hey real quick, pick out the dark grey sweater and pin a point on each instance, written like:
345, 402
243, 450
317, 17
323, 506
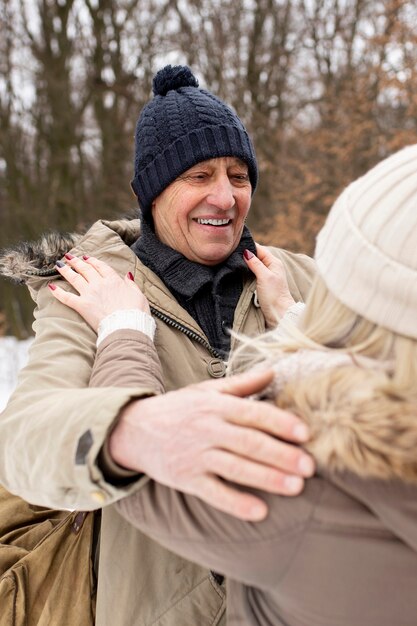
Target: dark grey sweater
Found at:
208, 293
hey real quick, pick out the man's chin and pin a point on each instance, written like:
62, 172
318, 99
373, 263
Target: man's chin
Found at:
213, 255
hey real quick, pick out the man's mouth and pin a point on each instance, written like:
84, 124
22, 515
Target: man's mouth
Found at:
213, 222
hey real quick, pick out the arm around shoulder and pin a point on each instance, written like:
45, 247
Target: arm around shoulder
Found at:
254, 553
54, 424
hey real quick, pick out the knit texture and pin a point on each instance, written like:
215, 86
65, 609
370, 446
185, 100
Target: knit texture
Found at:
182, 126
367, 251
208, 293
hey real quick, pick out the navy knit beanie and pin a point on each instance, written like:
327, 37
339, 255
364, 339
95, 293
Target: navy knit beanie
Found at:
183, 125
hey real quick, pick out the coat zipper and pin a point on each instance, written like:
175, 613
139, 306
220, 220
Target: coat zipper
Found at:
50, 271
187, 331
219, 578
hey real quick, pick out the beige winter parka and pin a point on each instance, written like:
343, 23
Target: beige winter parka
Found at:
55, 424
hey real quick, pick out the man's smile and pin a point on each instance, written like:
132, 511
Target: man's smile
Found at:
212, 221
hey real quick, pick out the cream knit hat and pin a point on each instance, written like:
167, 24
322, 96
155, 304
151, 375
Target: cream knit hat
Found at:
366, 252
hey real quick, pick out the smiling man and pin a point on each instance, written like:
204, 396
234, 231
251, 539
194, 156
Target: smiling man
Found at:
194, 260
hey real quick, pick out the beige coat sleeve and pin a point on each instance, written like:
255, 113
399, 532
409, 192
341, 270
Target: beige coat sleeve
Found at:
124, 358
54, 425
253, 553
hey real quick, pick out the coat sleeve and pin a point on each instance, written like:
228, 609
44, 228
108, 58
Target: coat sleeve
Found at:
253, 553
54, 425
124, 358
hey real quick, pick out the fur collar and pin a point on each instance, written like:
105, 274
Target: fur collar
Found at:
36, 258
358, 423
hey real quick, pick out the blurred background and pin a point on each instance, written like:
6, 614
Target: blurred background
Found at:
325, 87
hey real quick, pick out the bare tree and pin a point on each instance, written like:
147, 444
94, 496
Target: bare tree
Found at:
325, 87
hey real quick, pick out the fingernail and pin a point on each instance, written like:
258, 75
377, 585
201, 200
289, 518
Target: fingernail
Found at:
306, 466
301, 432
248, 254
85, 257
69, 256
293, 484
51, 286
130, 276
60, 264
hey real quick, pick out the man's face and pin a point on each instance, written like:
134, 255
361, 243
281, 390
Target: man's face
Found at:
202, 213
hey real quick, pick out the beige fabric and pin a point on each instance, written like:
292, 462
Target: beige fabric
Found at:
368, 259
61, 426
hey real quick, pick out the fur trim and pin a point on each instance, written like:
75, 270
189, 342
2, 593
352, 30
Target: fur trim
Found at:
36, 258
356, 424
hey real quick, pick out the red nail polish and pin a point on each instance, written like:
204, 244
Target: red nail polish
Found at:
248, 254
51, 286
69, 256
85, 257
130, 276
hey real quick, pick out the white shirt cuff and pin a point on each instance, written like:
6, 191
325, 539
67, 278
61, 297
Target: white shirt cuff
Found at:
128, 319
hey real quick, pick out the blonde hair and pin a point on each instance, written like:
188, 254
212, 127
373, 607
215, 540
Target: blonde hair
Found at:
330, 324
327, 324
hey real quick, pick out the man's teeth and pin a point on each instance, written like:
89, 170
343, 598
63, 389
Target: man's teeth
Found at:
213, 222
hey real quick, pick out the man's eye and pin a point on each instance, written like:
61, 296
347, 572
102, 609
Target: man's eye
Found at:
240, 177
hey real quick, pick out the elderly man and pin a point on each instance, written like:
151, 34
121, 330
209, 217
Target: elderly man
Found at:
86, 446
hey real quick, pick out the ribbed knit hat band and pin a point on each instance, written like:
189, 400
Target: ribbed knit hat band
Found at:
367, 251
182, 126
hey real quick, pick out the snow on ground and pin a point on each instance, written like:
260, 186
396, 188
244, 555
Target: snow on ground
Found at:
13, 356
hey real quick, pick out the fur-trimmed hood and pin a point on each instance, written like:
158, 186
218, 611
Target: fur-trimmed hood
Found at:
36, 258
31, 259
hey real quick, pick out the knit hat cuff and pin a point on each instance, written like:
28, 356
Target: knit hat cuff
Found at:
198, 145
362, 277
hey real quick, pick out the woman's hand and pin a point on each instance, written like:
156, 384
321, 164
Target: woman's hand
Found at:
101, 290
272, 287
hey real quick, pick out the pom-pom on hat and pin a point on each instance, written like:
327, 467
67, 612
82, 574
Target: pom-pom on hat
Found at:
181, 126
366, 252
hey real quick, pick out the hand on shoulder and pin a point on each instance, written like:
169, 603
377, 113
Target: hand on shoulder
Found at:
101, 291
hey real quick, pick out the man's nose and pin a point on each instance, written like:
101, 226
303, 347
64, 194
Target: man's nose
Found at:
221, 194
